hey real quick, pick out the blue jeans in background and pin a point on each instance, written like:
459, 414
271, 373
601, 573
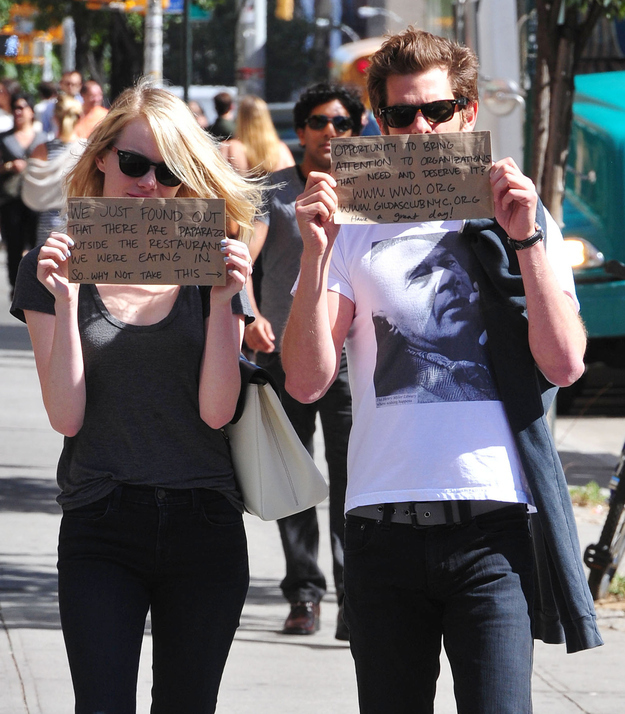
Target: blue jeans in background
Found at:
468, 585
182, 555
304, 581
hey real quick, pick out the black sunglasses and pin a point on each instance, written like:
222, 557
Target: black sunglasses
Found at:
402, 115
320, 121
136, 165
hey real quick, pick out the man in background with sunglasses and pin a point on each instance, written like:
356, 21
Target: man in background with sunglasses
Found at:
322, 112
441, 478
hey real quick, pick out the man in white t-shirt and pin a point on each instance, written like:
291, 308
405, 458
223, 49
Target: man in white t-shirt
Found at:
437, 544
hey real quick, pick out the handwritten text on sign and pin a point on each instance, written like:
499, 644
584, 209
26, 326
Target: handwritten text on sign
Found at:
165, 241
412, 177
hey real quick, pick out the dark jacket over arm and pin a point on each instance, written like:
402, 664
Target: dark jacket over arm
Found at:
563, 607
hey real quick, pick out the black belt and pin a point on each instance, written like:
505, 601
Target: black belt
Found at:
150, 495
428, 513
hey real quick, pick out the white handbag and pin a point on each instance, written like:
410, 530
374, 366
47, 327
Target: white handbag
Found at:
275, 474
42, 186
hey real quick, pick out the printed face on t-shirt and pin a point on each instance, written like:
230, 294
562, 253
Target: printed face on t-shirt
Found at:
428, 296
429, 330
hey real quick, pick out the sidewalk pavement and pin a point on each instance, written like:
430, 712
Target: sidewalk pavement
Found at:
266, 671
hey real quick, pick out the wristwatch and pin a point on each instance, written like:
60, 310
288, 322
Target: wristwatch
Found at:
536, 237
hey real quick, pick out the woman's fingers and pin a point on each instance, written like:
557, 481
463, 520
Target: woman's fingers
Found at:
238, 263
53, 263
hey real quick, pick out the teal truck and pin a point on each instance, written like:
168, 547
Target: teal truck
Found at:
594, 211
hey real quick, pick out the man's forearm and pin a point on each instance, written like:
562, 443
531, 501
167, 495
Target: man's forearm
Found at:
556, 334
308, 351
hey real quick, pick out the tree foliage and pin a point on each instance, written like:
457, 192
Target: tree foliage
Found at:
4, 11
109, 45
289, 57
564, 28
213, 46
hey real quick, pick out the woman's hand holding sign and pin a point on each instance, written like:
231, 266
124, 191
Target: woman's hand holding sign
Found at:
238, 263
53, 266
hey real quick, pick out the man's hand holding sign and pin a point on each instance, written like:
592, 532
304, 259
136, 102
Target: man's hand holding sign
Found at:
412, 177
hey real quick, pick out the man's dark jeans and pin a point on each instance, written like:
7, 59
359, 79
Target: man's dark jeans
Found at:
470, 585
304, 580
180, 554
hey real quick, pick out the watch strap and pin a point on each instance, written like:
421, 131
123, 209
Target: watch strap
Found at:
536, 237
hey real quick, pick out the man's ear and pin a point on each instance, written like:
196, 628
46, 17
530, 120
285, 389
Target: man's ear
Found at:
300, 135
469, 116
382, 124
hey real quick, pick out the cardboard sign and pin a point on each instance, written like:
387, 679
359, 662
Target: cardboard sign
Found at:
409, 178
164, 241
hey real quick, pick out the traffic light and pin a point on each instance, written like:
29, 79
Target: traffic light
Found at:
284, 9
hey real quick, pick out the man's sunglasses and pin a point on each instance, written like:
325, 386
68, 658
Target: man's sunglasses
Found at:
320, 121
136, 165
402, 115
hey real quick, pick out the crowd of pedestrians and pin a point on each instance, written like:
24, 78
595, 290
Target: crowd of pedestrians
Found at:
39, 142
439, 468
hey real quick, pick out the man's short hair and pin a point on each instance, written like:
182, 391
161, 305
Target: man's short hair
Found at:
89, 83
223, 103
47, 90
322, 93
414, 51
70, 72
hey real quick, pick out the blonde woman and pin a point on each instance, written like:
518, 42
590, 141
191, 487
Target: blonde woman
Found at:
256, 148
140, 379
58, 156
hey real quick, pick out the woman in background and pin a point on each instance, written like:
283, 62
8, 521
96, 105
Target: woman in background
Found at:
59, 156
256, 149
198, 113
7, 87
19, 223
140, 379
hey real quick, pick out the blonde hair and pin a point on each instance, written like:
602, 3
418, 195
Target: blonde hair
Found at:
67, 112
186, 148
255, 130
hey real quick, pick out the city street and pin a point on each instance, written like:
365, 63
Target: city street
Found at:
412, 107
266, 672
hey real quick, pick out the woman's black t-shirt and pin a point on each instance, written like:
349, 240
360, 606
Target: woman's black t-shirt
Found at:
142, 424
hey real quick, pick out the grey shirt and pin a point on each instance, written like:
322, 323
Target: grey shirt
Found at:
282, 251
142, 424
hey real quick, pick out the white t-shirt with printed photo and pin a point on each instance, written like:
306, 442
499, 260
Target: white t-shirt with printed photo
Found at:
428, 423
